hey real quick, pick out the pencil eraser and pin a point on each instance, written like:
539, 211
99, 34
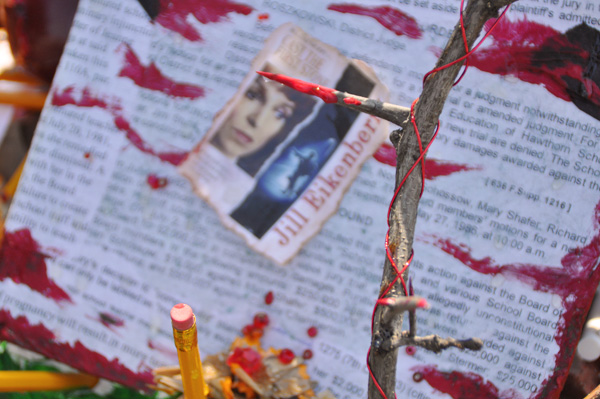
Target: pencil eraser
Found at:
182, 316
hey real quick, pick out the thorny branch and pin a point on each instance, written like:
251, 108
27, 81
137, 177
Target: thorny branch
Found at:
387, 324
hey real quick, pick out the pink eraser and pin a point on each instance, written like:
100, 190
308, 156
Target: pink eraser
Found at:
182, 316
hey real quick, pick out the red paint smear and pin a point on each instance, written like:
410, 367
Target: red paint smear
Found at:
150, 77
575, 282
324, 93
40, 339
156, 182
22, 261
352, 101
538, 54
463, 385
110, 320
66, 97
248, 359
262, 17
173, 14
391, 18
386, 154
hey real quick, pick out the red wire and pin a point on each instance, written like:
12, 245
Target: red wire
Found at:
421, 160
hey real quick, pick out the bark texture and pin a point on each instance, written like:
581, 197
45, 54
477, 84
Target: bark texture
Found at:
403, 216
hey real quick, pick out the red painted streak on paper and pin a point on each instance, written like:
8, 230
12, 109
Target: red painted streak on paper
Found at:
434, 168
174, 14
324, 93
575, 282
263, 16
391, 18
66, 97
150, 77
40, 339
22, 261
538, 54
463, 385
110, 320
156, 182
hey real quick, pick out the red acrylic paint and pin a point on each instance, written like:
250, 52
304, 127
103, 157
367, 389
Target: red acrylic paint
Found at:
575, 282
261, 320
247, 358
462, 385
110, 320
352, 101
269, 298
286, 356
386, 154
41, 340
324, 93
150, 77
174, 14
312, 331
391, 18
263, 16
538, 54
410, 350
66, 97
22, 261
156, 182
307, 354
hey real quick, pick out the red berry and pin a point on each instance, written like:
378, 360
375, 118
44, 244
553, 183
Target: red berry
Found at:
410, 350
286, 356
261, 320
307, 354
312, 332
269, 298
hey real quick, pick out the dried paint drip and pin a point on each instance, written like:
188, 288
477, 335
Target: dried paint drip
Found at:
174, 14
391, 18
156, 182
312, 331
352, 101
247, 358
462, 385
22, 261
39, 339
324, 93
262, 17
286, 356
269, 298
88, 100
150, 77
538, 54
410, 350
307, 354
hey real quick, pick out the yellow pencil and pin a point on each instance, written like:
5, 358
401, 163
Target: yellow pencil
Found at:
28, 381
186, 341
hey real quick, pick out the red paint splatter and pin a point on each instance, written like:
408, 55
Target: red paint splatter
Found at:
307, 354
263, 16
324, 93
269, 298
247, 358
386, 154
575, 282
150, 77
312, 331
156, 182
261, 320
39, 339
462, 385
174, 14
391, 18
538, 54
286, 356
410, 350
87, 99
22, 261
352, 101
87, 155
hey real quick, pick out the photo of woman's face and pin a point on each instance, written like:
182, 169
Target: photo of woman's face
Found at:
257, 118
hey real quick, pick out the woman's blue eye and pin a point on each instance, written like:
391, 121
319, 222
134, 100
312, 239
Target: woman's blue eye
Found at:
283, 113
